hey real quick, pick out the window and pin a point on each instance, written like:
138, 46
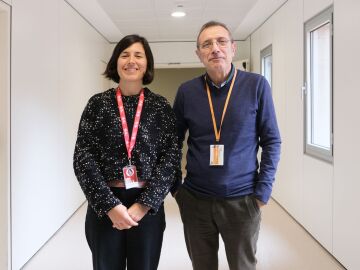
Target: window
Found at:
266, 63
318, 86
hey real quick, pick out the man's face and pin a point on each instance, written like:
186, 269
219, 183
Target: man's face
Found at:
216, 50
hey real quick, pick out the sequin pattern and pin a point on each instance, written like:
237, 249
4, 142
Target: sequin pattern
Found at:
100, 151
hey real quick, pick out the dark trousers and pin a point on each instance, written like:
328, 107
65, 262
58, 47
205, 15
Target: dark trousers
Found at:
236, 220
137, 248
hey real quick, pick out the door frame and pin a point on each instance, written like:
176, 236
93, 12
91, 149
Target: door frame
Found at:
5, 133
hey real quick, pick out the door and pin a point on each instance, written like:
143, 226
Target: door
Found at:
5, 12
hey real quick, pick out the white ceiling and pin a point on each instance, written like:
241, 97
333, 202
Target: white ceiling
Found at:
151, 18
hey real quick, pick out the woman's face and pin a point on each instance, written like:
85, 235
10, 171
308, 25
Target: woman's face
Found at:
131, 64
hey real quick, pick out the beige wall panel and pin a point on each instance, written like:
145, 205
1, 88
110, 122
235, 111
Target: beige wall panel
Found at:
287, 63
346, 132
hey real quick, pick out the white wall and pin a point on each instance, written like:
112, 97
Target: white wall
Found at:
347, 132
323, 197
4, 134
56, 65
286, 39
311, 7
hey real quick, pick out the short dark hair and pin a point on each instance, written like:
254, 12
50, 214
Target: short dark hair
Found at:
211, 24
111, 68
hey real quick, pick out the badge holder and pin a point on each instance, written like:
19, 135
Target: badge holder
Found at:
130, 177
216, 155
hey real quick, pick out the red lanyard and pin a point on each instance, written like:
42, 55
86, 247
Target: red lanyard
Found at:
130, 144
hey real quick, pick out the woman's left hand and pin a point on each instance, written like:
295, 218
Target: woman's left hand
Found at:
137, 211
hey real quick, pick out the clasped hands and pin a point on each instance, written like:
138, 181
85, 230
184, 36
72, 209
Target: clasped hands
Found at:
124, 218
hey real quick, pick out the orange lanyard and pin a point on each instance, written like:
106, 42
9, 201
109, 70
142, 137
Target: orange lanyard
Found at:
218, 133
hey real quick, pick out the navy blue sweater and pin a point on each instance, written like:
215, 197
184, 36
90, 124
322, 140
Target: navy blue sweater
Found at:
250, 122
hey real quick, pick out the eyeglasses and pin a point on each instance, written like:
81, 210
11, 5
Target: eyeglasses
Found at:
220, 42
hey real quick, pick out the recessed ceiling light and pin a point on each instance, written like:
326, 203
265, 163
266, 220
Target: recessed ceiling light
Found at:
178, 12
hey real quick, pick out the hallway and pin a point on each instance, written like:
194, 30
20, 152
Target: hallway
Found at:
283, 245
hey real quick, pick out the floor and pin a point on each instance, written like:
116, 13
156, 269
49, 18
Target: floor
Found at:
282, 245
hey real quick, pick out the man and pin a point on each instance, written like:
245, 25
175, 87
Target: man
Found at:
229, 114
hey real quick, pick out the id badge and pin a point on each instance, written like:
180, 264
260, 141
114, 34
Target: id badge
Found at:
130, 177
216, 155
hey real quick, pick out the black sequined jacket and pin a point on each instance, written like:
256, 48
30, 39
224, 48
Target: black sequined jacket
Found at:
100, 151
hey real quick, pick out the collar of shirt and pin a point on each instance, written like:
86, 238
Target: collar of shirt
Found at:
228, 79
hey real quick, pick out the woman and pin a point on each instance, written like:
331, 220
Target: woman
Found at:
125, 160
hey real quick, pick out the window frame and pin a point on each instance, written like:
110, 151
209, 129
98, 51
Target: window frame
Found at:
316, 22
267, 51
